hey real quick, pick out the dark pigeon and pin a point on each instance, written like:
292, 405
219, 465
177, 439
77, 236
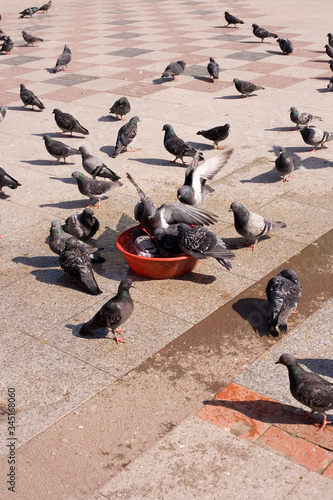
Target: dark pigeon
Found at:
7, 45
262, 32
213, 69
28, 12
330, 62
330, 39
246, 88
330, 84
30, 39
126, 136
121, 107
329, 51
176, 146
285, 45
83, 225
173, 70
314, 136
63, 60
232, 19
92, 188
216, 134
285, 165
167, 240
67, 123
95, 167
283, 294
58, 149
29, 98
308, 388
44, 8
301, 117
113, 313
3, 110
7, 181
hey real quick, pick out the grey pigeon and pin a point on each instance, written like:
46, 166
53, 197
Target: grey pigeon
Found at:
7, 181
330, 84
75, 261
176, 146
95, 167
285, 165
113, 313
58, 149
213, 69
144, 245
126, 136
83, 225
152, 218
67, 123
202, 243
330, 39
63, 60
314, 136
44, 8
173, 70
121, 107
308, 388
166, 239
330, 62
30, 39
329, 51
285, 45
232, 19
283, 294
29, 98
93, 188
7, 45
3, 110
28, 12
250, 225
216, 134
246, 88
301, 117
197, 173
262, 32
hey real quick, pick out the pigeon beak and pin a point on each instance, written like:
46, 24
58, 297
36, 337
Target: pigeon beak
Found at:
132, 286
230, 210
278, 362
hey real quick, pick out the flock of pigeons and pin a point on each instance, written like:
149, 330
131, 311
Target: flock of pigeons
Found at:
172, 228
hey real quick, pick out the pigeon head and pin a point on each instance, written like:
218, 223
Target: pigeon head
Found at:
88, 212
240, 213
83, 150
66, 48
236, 80
56, 112
72, 244
255, 26
126, 284
56, 228
184, 194
135, 119
182, 64
289, 274
287, 360
168, 129
22, 86
46, 138
78, 176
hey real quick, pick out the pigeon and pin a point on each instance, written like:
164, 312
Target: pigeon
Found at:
197, 173
330, 39
285, 45
330, 62
176, 146
28, 12
58, 238
250, 225
93, 188
143, 244
308, 388
330, 84
213, 69
83, 225
29, 99
113, 313
44, 8
216, 134
7, 181
75, 261
245, 87
3, 110
262, 32
329, 51
126, 136
63, 60
283, 293
95, 167
314, 136
285, 165
232, 19
167, 240
7, 45
121, 107
202, 243
67, 123
152, 218
301, 117
30, 39
58, 149
174, 69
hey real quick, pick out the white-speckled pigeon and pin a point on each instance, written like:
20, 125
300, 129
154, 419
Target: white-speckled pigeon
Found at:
82, 225
126, 136
301, 117
121, 107
283, 294
7, 45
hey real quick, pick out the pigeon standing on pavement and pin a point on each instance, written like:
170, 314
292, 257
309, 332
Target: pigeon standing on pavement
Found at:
250, 225
301, 117
213, 69
30, 39
262, 32
83, 225
176, 146
75, 261
330, 83
329, 51
314, 136
95, 167
121, 107
29, 98
308, 388
285, 165
283, 294
216, 134
173, 70
285, 45
330, 62
113, 313
58, 238
28, 12
92, 188
63, 60
7, 45
7, 181
126, 136
59, 149
330, 39
44, 8
246, 88
197, 173
3, 110
232, 19
67, 123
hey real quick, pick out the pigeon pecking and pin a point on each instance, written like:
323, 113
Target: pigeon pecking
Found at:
67, 123
30, 39
285, 165
94, 189
121, 107
58, 149
262, 32
63, 60
29, 98
285, 45
126, 136
213, 69
232, 19
216, 134
7, 181
314, 136
283, 294
176, 146
173, 70
246, 88
83, 225
301, 117
28, 12
95, 167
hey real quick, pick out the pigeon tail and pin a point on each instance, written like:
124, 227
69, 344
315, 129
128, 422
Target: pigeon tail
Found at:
225, 263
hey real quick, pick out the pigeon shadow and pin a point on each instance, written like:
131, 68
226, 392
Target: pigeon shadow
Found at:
46, 162
270, 177
152, 161
321, 366
204, 79
256, 312
276, 52
228, 97
320, 78
323, 91
314, 163
23, 108
281, 129
101, 333
4, 196
108, 150
108, 118
199, 145
51, 134
65, 180
238, 243
159, 81
46, 261
57, 277
73, 204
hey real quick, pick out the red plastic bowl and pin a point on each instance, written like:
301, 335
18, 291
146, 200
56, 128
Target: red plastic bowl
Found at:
157, 268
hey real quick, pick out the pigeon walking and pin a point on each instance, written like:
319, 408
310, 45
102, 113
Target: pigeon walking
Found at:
262, 32
28, 12
7, 45
308, 388
329, 51
126, 136
7, 181
197, 173
216, 134
203, 243
59, 237
30, 39
250, 225
44, 8
176, 146
113, 313
174, 69
59, 149
330, 39
29, 98
121, 107
315, 136
67, 123
232, 19
93, 188
246, 88
213, 69
75, 261
83, 225
285, 45
285, 165
301, 117
3, 110
283, 294
63, 60
95, 167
